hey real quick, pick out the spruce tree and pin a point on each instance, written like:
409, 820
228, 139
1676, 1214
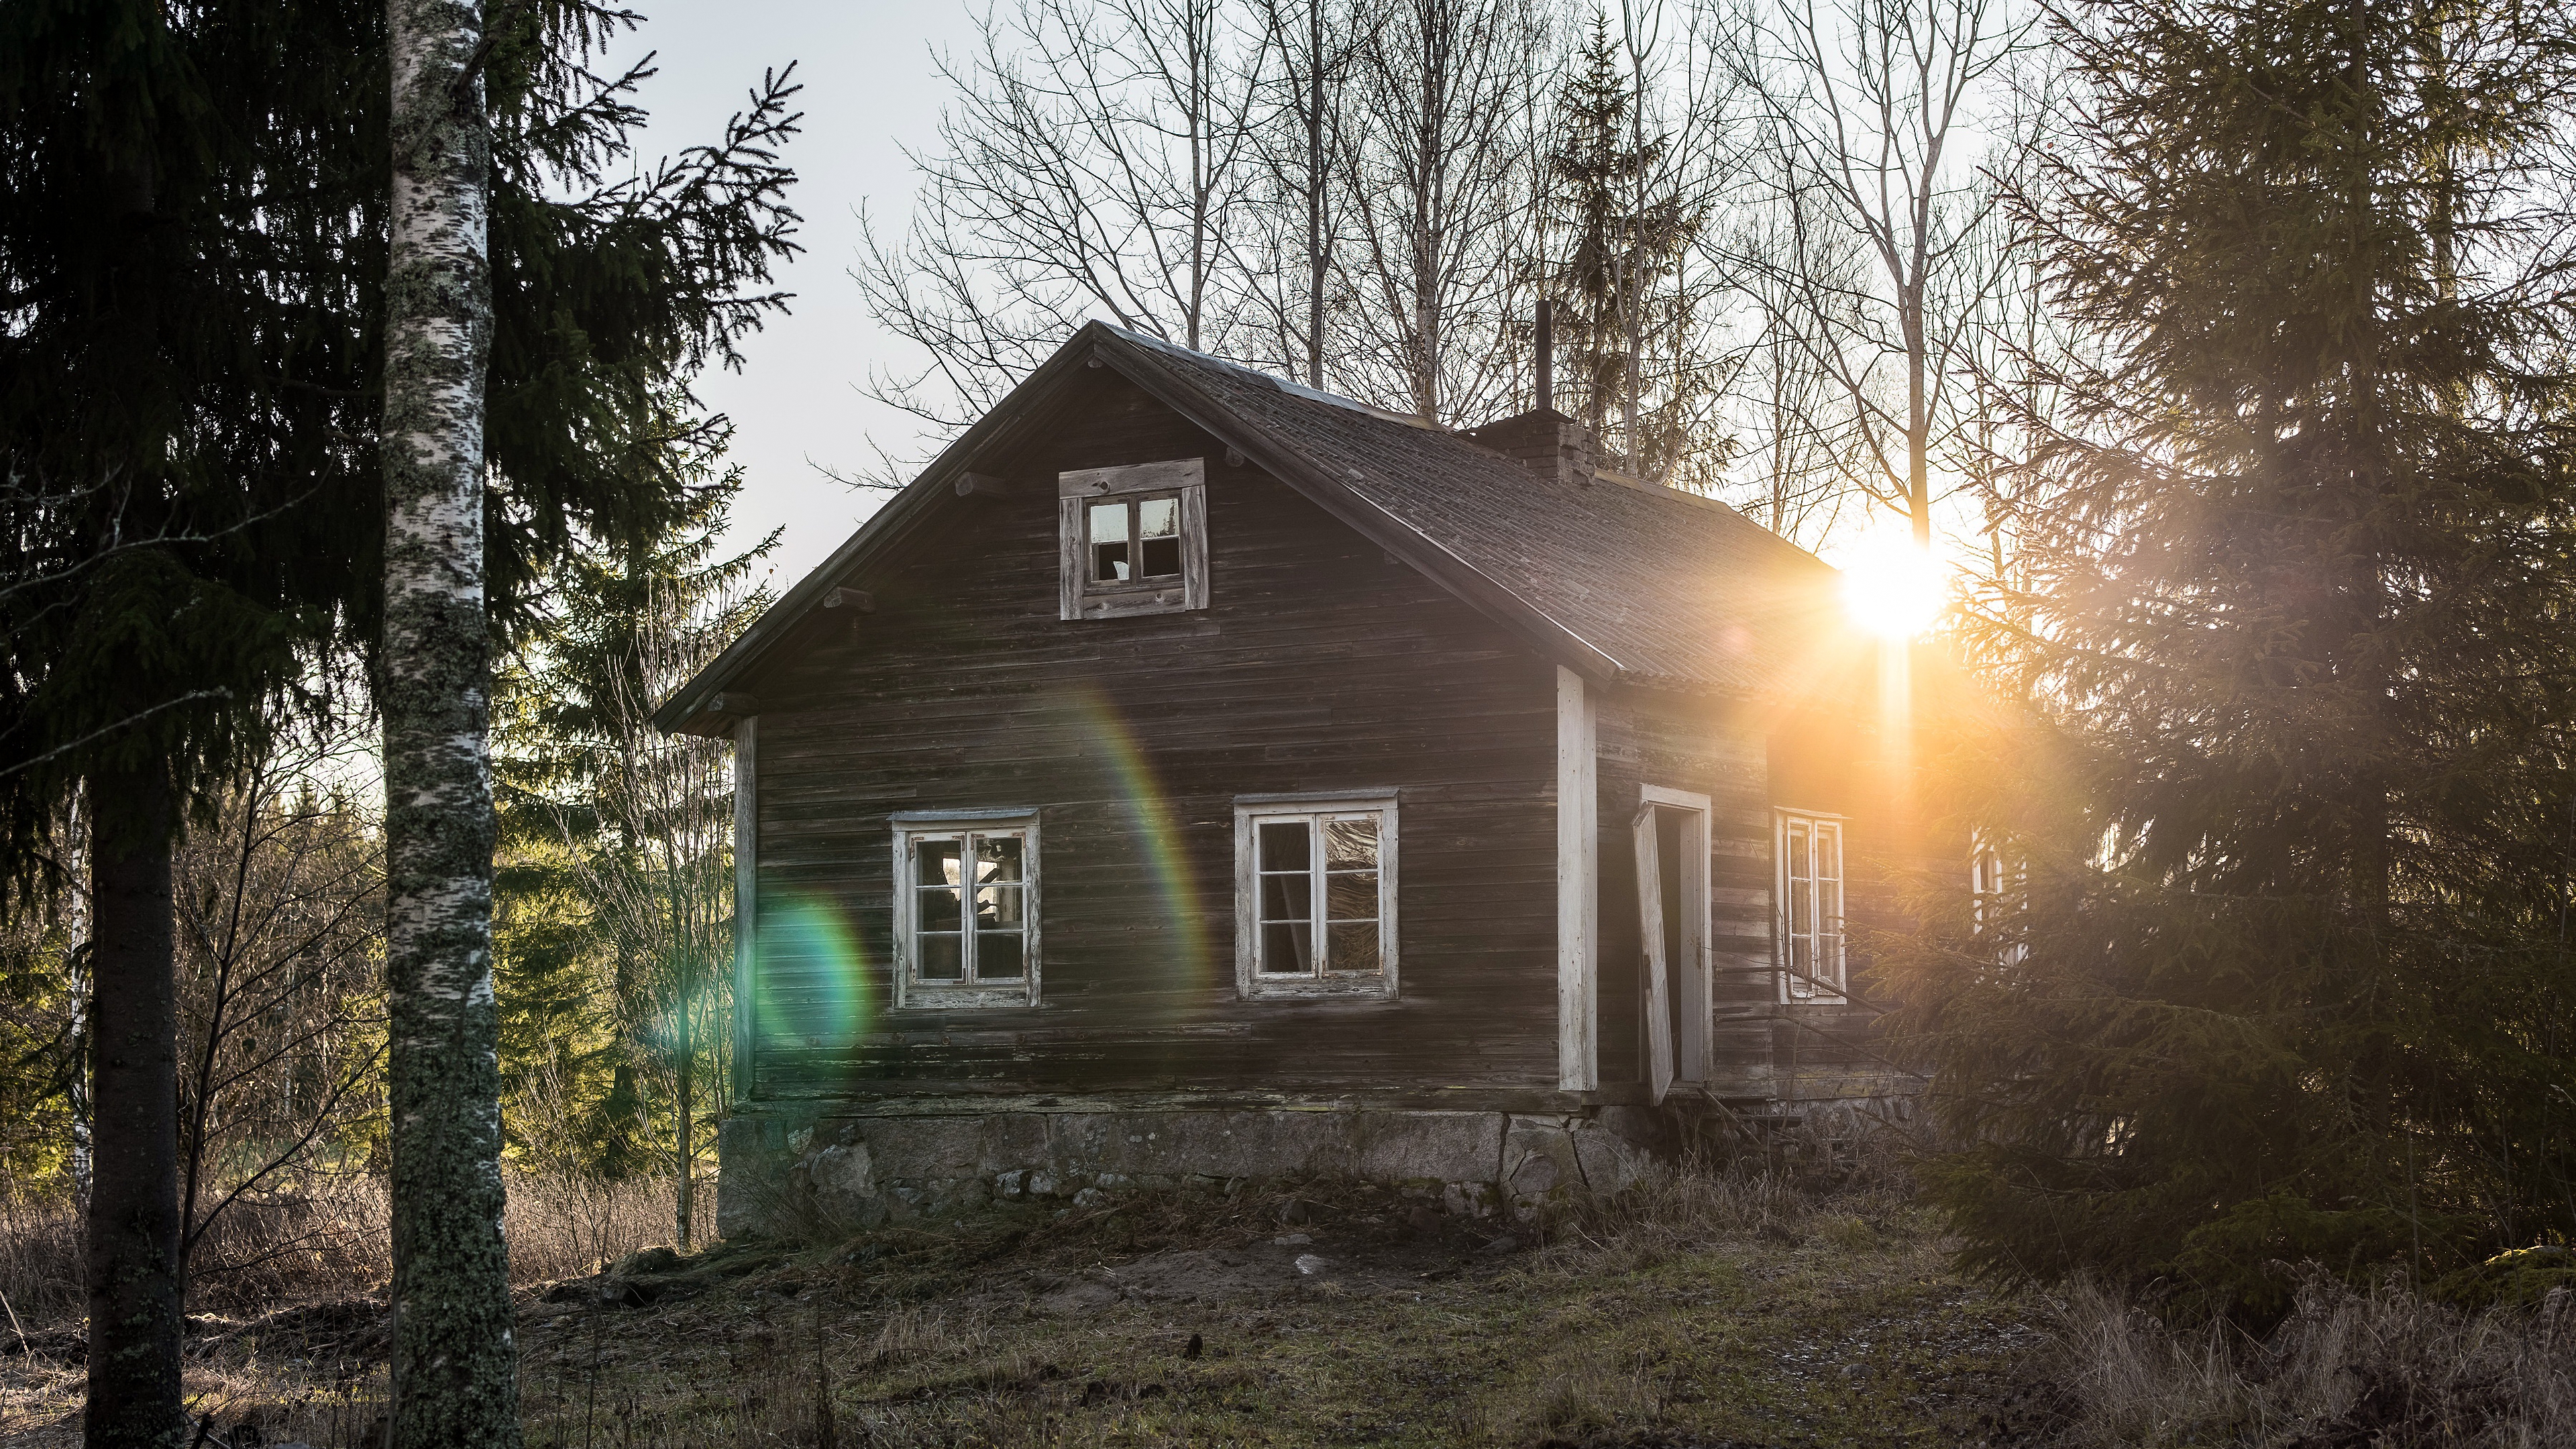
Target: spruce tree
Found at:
1622, 229
599, 807
2281, 783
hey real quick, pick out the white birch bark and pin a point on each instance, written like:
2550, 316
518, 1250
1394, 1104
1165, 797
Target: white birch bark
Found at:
454, 1371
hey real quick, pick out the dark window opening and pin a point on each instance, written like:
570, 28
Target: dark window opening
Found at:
1134, 540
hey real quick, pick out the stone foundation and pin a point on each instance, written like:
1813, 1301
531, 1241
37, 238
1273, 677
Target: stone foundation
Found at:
791, 1176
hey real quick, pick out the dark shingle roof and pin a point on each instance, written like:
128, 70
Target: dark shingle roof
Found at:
1675, 588
1617, 578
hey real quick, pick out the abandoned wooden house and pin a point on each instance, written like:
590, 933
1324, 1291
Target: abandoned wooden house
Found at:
1194, 774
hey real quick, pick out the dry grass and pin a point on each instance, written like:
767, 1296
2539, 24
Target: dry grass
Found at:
327, 1240
2346, 1369
40, 1261
1749, 1305
1729, 1307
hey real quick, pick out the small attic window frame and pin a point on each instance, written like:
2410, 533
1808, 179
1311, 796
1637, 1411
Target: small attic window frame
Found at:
1183, 480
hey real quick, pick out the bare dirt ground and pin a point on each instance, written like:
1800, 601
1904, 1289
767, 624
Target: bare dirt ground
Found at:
1704, 1312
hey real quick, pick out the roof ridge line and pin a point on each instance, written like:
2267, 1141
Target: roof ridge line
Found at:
1278, 384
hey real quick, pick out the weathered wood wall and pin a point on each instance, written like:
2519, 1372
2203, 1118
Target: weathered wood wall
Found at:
1319, 664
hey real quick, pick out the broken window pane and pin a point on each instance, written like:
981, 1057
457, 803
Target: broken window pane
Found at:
969, 907
1350, 844
1288, 947
938, 862
941, 957
1351, 946
997, 955
997, 908
939, 910
1283, 845
1109, 562
997, 858
1350, 895
1319, 893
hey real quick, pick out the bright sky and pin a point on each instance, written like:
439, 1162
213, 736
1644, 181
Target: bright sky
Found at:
869, 92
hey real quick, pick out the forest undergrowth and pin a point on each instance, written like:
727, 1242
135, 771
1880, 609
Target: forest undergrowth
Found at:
1739, 1307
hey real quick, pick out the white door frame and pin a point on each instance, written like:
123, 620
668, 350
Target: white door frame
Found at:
1689, 960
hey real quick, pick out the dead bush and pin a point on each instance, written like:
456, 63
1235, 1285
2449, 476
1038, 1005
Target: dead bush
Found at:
570, 1225
326, 1239
2347, 1369
1707, 1200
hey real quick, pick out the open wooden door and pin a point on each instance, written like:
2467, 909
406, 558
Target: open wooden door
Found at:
1655, 966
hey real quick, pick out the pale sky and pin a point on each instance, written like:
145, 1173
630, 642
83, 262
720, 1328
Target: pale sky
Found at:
869, 91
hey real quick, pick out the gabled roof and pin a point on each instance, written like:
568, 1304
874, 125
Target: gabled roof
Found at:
1621, 581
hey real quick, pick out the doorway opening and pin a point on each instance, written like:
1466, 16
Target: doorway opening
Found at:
1672, 840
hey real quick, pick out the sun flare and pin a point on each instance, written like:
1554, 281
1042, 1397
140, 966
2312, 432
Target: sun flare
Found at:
1890, 587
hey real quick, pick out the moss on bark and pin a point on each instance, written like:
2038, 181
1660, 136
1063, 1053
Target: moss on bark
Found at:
454, 1362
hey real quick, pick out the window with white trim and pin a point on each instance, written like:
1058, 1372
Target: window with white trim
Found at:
965, 908
1995, 888
1132, 540
1809, 848
1315, 895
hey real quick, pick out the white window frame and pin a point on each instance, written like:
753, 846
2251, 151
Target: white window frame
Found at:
1250, 811
912, 827
1832, 983
1991, 879
1182, 479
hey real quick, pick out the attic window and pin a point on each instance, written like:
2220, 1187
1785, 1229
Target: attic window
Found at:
1132, 540
1135, 540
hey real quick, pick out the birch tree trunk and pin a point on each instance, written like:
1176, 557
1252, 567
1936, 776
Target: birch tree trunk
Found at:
454, 1370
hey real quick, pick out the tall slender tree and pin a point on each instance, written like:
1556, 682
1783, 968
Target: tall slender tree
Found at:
455, 1368
1441, 159
1885, 122
1288, 267
1621, 227
161, 411
2290, 770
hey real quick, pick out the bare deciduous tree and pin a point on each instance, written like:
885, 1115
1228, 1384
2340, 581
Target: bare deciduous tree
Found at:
1878, 117
280, 932
1286, 247
655, 855
1441, 149
1092, 168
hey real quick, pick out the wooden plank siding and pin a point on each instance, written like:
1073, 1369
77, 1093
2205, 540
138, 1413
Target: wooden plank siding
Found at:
1318, 664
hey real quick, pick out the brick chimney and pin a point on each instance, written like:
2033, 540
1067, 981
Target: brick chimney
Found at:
1546, 442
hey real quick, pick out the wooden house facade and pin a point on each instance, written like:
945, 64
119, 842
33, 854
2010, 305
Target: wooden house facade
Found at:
1194, 774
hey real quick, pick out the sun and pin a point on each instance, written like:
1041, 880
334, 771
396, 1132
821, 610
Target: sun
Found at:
1892, 588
